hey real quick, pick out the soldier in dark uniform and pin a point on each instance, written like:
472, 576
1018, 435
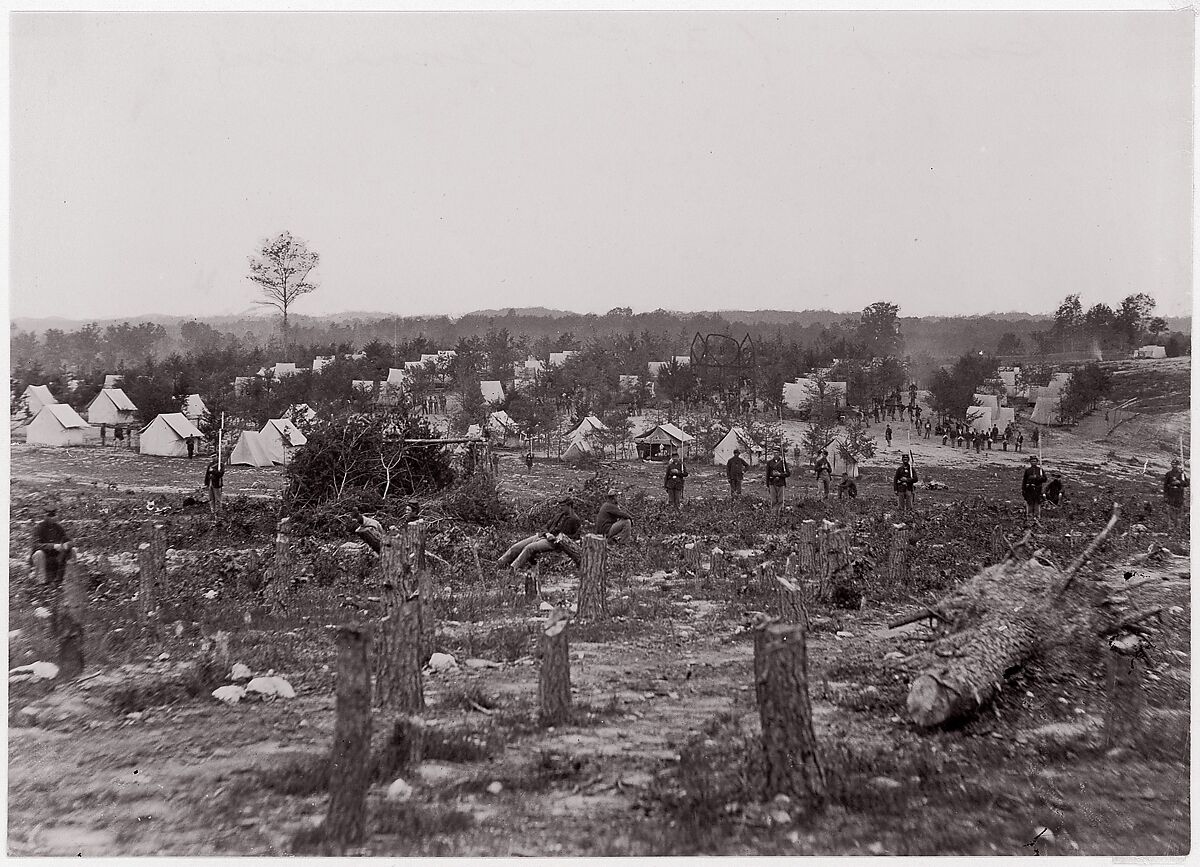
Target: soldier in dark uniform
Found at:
1031, 488
903, 483
673, 480
777, 474
51, 549
735, 471
1175, 482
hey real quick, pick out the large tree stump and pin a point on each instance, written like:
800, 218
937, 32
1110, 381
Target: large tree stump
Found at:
152, 568
766, 576
281, 571
691, 558
593, 582
793, 767
790, 601
349, 761
554, 676
806, 547
419, 580
898, 556
404, 747
833, 555
398, 652
1123, 685
70, 615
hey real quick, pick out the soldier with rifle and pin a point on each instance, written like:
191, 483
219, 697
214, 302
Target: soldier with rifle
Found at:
904, 482
1175, 483
673, 480
777, 473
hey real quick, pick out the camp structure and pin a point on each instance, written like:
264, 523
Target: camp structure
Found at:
656, 444
320, 361
281, 433
110, 406
167, 435
502, 427
980, 417
800, 393
114, 380
579, 450
242, 385
255, 450
737, 438
492, 390
590, 426
558, 359
1150, 351
280, 369
300, 411
1004, 417
582, 440
991, 401
1046, 410
56, 424
36, 397
193, 407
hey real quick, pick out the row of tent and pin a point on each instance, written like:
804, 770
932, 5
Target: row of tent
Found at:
110, 406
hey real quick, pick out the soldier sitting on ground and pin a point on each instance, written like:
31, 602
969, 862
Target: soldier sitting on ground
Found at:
613, 522
847, 488
523, 552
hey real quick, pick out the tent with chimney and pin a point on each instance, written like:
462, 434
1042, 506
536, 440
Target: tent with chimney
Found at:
167, 435
737, 438
657, 443
56, 424
254, 450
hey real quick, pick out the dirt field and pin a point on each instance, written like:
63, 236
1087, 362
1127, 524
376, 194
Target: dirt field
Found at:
139, 759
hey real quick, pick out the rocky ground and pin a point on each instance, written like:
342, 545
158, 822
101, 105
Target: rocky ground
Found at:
139, 759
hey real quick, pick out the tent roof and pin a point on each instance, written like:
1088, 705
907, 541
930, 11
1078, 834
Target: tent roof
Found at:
492, 390
118, 397
285, 426
41, 392
179, 423
743, 438
65, 416
194, 404
254, 450
503, 418
664, 433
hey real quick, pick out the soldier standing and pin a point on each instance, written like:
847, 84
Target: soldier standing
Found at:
903, 483
824, 471
777, 473
735, 471
1174, 483
1031, 489
673, 480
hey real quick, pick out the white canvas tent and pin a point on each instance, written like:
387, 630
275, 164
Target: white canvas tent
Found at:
991, 401
110, 406
802, 392
36, 397
281, 434
501, 425
492, 390
254, 450
167, 435
1046, 411
114, 380
56, 424
661, 438
578, 451
193, 407
1006, 416
588, 427
1151, 351
737, 438
979, 417
300, 410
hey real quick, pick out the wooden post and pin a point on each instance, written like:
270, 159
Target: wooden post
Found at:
717, 565
691, 558
420, 580
793, 767
790, 599
554, 677
349, 761
533, 582
593, 585
70, 615
281, 570
152, 566
806, 547
833, 555
898, 556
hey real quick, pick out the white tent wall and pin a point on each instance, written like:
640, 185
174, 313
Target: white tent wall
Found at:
56, 425
166, 436
273, 432
737, 438
253, 451
979, 418
36, 397
110, 406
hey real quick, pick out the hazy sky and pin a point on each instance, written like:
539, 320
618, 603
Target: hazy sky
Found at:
950, 162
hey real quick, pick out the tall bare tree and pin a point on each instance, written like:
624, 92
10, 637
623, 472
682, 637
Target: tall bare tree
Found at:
281, 270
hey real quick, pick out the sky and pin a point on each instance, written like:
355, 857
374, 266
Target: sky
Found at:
950, 162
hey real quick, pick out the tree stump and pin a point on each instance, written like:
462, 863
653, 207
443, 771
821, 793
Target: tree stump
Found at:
554, 677
833, 555
282, 569
793, 767
593, 583
717, 566
999, 549
533, 582
806, 547
152, 567
405, 747
898, 556
398, 650
790, 600
691, 558
766, 576
349, 761
1126, 698
70, 616
419, 580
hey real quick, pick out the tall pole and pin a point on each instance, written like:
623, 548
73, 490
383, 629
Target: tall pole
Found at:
220, 440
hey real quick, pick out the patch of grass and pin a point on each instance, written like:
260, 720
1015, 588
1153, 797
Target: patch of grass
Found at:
469, 696
460, 745
298, 778
410, 821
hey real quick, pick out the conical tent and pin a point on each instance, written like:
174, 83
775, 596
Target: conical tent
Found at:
281, 433
254, 450
737, 438
577, 451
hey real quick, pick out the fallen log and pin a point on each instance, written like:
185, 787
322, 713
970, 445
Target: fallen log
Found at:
991, 626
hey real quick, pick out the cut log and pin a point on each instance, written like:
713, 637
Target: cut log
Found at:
691, 558
398, 651
420, 581
593, 583
806, 547
790, 600
716, 565
349, 763
554, 676
569, 547
793, 767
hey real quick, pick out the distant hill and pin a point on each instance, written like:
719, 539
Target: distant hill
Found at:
543, 312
